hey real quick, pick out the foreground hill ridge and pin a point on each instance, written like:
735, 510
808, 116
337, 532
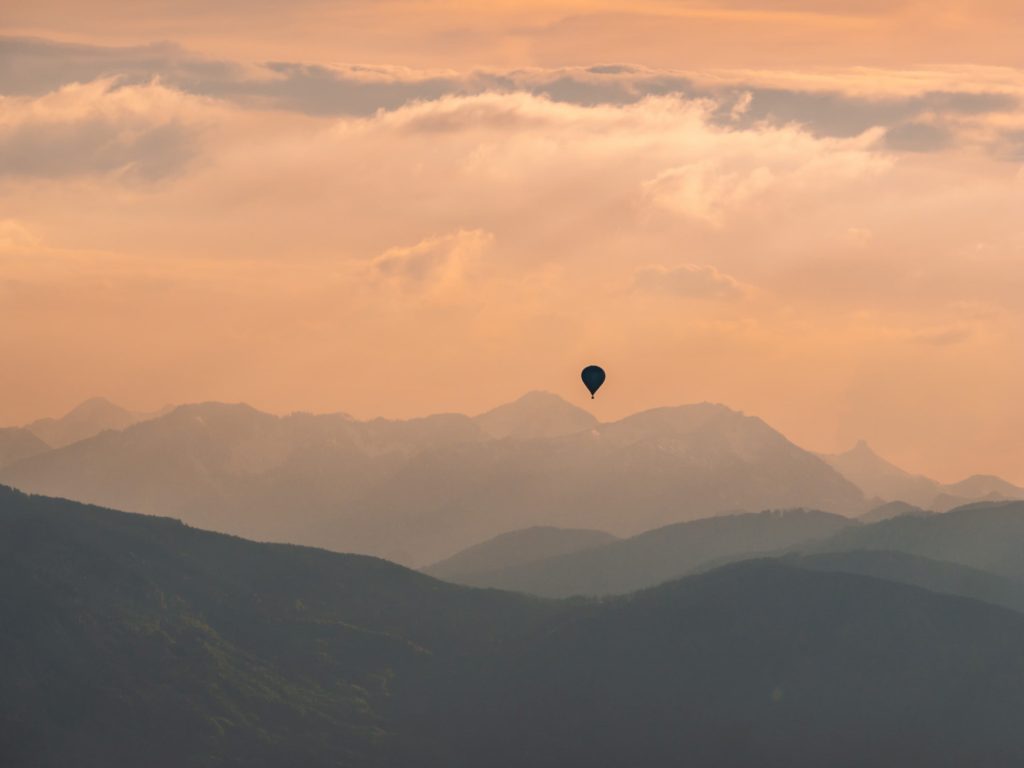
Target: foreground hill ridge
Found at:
137, 640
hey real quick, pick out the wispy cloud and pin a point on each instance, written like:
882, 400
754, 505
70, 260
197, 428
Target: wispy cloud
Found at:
926, 119
690, 281
145, 132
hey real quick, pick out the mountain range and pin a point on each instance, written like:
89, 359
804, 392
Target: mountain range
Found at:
420, 490
984, 538
988, 536
416, 491
137, 640
646, 560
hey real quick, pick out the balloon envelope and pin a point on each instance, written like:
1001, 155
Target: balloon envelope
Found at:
593, 378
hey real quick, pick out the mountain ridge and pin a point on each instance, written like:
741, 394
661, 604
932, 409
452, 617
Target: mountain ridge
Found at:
881, 479
657, 556
418, 490
85, 420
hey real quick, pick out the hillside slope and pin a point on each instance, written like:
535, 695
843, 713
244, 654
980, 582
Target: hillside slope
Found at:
987, 536
660, 555
131, 640
514, 549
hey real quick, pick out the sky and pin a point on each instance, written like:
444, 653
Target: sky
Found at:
811, 211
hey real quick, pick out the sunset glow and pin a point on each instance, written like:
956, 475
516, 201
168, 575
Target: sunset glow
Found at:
809, 211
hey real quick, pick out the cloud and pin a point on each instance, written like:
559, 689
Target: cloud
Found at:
15, 236
690, 281
918, 137
142, 132
741, 171
706, 190
437, 267
943, 337
834, 106
487, 234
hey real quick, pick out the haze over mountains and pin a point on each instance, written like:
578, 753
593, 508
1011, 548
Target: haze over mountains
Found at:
85, 420
516, 549
17, 443
647, 559
135, 640
791, 637
420, 490
985, 538
884, 481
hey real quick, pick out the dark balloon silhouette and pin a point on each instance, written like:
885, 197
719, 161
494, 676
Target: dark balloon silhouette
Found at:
593, 378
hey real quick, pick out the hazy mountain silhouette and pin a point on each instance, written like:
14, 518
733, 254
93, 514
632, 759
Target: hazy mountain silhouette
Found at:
988, 536
516, 548
132, 640
890, 510
85, 420
881, 479
934, 575
536, 415
655, 556
17, 444
978, 486
419, 490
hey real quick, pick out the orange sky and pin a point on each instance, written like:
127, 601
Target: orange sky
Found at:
810, 211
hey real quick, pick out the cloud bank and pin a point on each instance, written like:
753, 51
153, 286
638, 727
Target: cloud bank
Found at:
838, 252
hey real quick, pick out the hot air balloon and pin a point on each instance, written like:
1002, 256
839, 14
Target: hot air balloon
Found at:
593, 378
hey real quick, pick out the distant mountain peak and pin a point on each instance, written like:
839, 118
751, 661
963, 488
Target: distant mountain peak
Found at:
99, 409
980, 486
863, 457
862, 450
537, 414
86, 419
93, 403
540, 396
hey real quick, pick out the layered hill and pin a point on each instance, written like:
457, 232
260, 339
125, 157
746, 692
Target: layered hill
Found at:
976, 550
417, 491
133, 640
891, 509
17, 444
986, 536
934, 575
652, 557
761, 664
516, 549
